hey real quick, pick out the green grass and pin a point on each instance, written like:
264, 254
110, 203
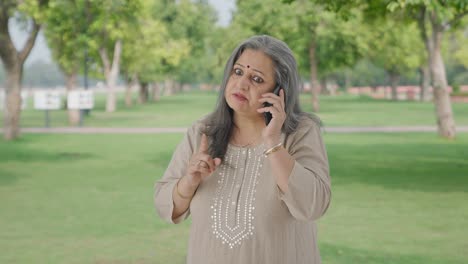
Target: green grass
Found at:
397, 198
364, 111
182, 109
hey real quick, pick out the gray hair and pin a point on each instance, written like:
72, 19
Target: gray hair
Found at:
220, 121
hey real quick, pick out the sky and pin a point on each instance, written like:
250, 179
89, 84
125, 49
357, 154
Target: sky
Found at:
42, 52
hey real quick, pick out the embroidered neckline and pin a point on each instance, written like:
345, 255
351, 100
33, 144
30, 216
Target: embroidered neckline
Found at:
233, 204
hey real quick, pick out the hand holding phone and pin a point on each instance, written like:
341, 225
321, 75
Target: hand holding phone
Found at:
268, 115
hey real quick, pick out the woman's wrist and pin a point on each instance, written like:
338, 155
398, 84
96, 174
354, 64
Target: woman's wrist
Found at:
191, 182
275, 148
186, 188
272, 141
180, 194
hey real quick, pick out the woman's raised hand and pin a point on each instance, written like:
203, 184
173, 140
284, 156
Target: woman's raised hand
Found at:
201, 164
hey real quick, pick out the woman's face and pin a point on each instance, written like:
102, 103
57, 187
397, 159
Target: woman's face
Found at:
252, 75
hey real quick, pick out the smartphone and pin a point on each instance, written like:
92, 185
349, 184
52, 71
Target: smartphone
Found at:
268, 115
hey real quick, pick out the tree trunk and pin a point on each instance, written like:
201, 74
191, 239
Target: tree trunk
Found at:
314, 82
323, 86
12, 110
422, 19
168, 87
128, 95
424, 82
111, 100
73, 114
394, 80
129, 91
13, 61
333, 87
443, 105
177, 87
347, 79
156, 92
111, 72
144, 93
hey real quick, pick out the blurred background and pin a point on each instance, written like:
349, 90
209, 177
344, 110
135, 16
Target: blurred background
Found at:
143, 50
95, 96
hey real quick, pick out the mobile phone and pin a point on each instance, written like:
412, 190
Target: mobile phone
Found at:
268, 115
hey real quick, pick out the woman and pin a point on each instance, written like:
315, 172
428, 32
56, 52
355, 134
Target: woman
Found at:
253, 190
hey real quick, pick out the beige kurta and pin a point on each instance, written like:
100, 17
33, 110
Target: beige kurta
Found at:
239, 215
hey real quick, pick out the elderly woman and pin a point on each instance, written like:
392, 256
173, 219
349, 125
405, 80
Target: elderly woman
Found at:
253, 174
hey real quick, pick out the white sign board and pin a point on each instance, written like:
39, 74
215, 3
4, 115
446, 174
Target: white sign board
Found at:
47, 100
83, 99
24, 100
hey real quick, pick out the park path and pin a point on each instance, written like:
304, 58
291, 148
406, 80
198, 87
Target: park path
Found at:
154, 130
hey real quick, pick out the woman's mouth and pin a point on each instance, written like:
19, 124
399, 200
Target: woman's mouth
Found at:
239, 97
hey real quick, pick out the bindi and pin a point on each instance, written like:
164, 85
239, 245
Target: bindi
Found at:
248, 66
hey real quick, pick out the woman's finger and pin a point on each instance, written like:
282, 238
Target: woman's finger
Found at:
204, 171
270, 109
279, 107
208, 160
272, 100
203, 144
199, 167
283, 100
263, 110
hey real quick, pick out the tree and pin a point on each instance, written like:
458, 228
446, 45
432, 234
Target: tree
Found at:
190, 23
13, 59
65, 32
109, 23
435, 17
322, 42
456, 56
149, 49
365, 73
395, 47
461, 51
457, 46
195, 22
42, 74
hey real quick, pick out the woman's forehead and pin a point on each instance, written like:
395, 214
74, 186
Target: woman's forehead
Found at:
256, 60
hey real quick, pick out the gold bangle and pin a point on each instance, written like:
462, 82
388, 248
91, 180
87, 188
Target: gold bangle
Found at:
181, 195
273, 149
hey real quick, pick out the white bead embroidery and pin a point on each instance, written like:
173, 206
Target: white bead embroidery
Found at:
232, 209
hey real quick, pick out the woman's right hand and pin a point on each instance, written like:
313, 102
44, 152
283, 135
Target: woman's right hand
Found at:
201, 164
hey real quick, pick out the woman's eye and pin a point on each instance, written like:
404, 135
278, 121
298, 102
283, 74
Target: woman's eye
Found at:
237, 71
257, 79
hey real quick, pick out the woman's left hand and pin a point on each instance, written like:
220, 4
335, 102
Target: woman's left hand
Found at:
272, 132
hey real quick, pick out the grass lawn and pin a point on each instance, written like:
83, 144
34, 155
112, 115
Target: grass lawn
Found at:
397, 198
344, 110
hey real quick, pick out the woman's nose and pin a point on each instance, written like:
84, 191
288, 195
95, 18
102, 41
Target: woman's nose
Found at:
244, 83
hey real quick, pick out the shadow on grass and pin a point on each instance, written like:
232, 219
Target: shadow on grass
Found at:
24, 155
407, 166
19, 151
339, 254
7, 177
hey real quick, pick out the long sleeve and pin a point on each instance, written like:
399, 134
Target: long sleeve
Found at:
309, 184
176, 169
